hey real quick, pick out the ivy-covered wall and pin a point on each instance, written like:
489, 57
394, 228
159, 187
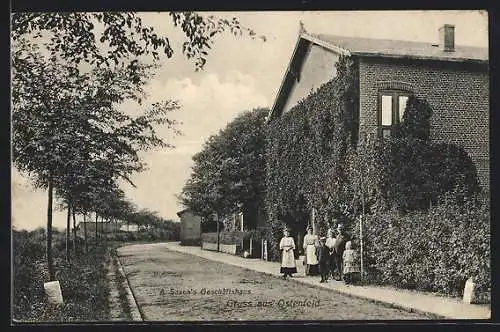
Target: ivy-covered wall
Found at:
306, 149
316, 160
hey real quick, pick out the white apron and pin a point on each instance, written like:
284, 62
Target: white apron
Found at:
288, 258
311, 254
310, 249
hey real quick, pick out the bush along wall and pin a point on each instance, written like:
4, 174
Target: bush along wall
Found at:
306, 149
435, 250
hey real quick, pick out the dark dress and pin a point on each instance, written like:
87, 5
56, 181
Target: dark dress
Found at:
339, 248
323, 254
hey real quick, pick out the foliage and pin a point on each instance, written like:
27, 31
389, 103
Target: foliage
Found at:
68, 133
83, 283
415, 123
152, 234
396, 183
225, 237
228, 174
305, 154
119, 37
434, 251
72, 121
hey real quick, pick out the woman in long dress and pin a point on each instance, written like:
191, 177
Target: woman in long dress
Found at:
330, 244
310, 244
287, 246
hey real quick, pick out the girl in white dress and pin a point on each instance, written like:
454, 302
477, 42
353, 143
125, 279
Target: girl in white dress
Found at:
287, 246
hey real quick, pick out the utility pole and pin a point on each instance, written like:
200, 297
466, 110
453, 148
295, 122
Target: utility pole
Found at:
362, 213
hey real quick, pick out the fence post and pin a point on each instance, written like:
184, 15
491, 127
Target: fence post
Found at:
251, 240
361, 244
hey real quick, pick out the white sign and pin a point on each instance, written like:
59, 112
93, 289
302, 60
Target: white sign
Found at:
53, 291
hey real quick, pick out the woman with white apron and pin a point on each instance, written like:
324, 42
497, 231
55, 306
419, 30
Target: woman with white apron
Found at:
287, 246
310, 244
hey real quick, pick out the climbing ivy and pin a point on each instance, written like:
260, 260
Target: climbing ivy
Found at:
315, 159
306, 152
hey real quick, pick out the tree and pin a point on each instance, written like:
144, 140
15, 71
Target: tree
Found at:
56, 101
123, 35
66, 124
229, 171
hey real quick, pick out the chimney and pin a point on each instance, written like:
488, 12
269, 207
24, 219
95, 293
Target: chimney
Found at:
447, 38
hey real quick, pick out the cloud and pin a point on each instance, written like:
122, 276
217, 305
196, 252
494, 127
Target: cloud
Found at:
29, 205
207, 106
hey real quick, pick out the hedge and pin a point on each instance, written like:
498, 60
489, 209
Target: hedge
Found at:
434, 251
225, 237
236, 237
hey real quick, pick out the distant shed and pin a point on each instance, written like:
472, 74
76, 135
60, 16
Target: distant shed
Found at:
190, 227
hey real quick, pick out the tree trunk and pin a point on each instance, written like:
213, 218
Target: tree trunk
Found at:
48, 249
68, 228
85, 232
74, 233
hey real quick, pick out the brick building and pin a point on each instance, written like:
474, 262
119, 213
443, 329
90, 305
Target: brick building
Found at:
453, 79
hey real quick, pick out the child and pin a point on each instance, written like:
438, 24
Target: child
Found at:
323, 254
350, 259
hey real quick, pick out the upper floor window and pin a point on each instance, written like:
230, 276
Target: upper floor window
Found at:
392, 105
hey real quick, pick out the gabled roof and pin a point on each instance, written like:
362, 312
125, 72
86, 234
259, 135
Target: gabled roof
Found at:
370, 47
180, 213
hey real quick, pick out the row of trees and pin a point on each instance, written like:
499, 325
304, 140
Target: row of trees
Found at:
68, 132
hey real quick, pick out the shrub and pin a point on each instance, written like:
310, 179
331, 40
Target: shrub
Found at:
435, 251
226, 237
83, 282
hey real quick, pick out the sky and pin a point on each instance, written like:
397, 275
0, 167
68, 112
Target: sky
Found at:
240, 74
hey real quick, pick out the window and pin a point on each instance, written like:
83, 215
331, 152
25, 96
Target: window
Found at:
392, 105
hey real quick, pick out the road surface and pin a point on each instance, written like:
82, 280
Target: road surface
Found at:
173, 286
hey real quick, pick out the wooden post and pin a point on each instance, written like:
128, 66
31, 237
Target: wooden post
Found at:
85, 231
361, 219
96, 224
74, 233
251, 240
218, 233
361, 244
68, 230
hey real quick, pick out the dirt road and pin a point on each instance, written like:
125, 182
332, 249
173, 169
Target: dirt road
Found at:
173, 286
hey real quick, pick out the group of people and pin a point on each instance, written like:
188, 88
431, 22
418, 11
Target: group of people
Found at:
333, 256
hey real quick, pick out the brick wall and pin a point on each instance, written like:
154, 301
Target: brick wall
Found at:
457, 93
